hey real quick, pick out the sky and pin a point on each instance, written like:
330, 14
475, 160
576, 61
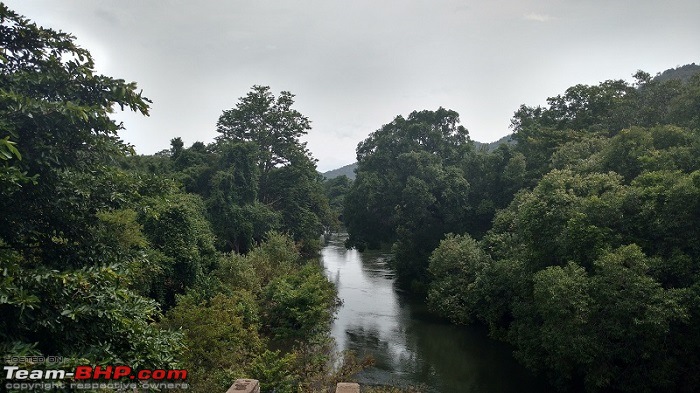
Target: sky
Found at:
355, 65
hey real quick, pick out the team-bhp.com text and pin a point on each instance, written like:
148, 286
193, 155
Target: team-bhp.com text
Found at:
98, 377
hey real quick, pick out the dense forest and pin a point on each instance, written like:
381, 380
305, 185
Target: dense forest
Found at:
577, 244
195, 258
574, 240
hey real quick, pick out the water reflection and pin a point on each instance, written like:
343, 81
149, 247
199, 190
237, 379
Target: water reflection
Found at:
409, 345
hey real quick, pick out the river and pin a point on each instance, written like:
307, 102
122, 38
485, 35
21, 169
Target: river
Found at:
410, 346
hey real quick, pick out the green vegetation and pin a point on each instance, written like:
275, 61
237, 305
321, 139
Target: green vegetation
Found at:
347, 170
684, 73
578, 244
192, 258
421, 177
336, 189
263, 314
256, 177
70, 247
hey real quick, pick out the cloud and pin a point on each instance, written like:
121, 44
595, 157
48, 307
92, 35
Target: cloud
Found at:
107, 16
537, 17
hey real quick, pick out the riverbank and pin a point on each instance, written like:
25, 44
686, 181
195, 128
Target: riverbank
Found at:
411, 346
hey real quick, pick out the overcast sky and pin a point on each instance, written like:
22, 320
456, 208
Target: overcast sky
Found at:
355, 65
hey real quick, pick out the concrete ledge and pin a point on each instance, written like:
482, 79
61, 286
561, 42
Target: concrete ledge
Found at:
245, 386
347, 387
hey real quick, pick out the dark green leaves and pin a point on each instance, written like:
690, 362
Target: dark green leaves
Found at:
270, 123
410, 188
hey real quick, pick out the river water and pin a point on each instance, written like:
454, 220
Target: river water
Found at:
410, 346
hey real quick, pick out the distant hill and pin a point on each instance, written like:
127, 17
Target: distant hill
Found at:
349, 170
684, 73
508, 139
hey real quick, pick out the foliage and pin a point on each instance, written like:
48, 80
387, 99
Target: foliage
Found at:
257, 177
296, 192
177, 230
581, 325
84, 314
68, 238
221, 338
270, 123
591, 271
272, 368
419, 178
409, 190
584, 112
581, 267
336, 189
577, 244
94, 243
297, 305
275, 257
267, 317
456, 265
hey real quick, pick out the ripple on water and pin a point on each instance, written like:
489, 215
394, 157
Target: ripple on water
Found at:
409, 345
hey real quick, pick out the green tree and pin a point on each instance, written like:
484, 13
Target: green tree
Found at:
50, 93
591, 271
270, 123
66, 270
586, 112
258, 176
608, 328
221, 337
263, 317
231, 192
177, 230
410, 189
299, 305
296, 192
288, 179
686, 106
571, 290
456, 267
336, 189
494, 178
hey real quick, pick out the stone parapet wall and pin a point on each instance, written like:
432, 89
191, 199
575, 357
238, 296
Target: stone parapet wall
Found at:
253, 386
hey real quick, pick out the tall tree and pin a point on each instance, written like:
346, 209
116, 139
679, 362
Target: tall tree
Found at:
287, 179
410, 189
64, 281
270, 123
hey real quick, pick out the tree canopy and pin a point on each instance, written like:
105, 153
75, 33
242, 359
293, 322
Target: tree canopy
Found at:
270, 123
576, 244
592, 271
419, 178
110, 258
69, 247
